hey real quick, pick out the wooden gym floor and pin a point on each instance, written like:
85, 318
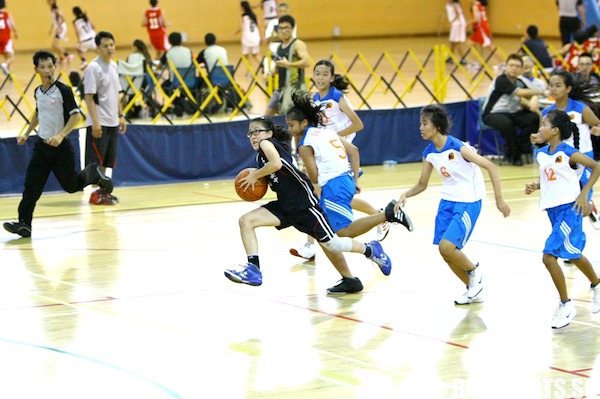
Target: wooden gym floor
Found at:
130, 301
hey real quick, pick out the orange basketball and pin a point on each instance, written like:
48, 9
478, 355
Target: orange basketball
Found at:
260, 187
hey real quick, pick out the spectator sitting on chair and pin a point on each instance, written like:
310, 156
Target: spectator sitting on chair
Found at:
510, 105
585, 70
529, 78
212, 53
181, 57
537, 46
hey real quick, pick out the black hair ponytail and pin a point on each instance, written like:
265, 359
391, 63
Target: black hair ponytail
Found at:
304, 109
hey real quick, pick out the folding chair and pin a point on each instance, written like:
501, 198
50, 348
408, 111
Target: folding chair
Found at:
221, 78
184, 81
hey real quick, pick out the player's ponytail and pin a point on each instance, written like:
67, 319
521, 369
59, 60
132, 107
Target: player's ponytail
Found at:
340, 82
304, 109
284, 136
575, 132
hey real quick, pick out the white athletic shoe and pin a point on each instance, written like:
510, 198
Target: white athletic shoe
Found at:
596, 299
475, 281
465, 300
306, 252
566, 313
4, 68
382, 231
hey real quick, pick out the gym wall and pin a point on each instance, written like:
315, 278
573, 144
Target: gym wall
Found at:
316, 19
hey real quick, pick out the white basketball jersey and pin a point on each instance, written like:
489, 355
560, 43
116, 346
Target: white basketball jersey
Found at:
575, 111
462, 180
84, 29
330, 154
559, 182
335, 118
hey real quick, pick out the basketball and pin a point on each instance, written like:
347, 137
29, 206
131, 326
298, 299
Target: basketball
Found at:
260, 187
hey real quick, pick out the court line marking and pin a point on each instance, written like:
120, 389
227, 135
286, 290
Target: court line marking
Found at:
55, 302
156, 384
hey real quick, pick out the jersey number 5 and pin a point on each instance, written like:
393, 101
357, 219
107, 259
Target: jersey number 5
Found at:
337, 144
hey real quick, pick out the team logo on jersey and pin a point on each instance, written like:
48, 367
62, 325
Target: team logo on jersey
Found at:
572, 116
558, 159
451, 156
329, 105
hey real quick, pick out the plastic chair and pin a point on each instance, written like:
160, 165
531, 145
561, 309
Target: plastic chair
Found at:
225, 87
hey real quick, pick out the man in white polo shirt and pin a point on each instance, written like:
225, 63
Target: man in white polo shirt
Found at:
105, 119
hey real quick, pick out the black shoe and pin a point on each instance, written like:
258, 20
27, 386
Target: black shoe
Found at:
19, 228
517, 161
105, 183
400, 217
347, 285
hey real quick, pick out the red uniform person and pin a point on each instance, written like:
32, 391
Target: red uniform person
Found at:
6, 42
155, 22
481, 29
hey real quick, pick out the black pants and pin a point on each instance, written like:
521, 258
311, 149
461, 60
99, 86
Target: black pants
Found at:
568, 26
508, 125
58, 160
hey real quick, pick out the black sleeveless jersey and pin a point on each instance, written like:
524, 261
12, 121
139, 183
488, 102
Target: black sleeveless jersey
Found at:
294, 190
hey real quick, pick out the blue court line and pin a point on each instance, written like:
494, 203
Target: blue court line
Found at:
112, 366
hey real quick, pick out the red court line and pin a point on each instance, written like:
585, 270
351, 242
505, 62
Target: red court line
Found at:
339, 316
574, 372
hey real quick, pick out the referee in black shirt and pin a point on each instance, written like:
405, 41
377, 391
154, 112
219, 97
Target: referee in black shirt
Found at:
57, 115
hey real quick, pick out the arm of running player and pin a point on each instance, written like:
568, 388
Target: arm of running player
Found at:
581, 203
531, 187
354, 159
592, 121
471, 156
419, 187
356, 125
273, 165
35, 120
58, 138
307, 154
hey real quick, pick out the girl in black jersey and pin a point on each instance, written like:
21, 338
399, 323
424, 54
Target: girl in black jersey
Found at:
296, 206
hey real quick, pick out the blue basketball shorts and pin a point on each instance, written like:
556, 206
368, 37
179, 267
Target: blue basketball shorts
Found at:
567, 238
455, 221
585, 176
336, 197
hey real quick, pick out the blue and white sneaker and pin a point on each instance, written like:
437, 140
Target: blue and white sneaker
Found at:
380, 258
245, 274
